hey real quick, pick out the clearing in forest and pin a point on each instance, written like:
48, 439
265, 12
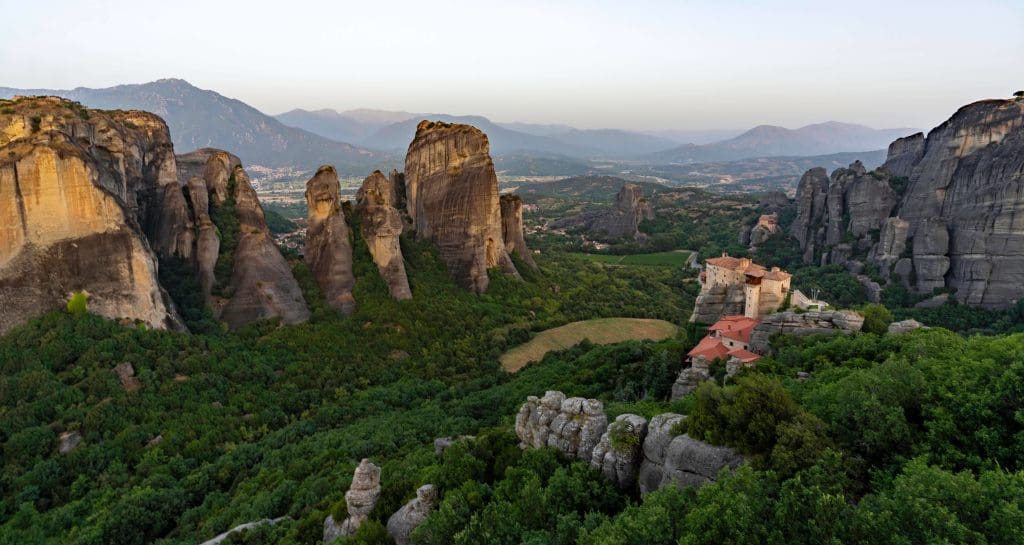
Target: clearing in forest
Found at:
598, 331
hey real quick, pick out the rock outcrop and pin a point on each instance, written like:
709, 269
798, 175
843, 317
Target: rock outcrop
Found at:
943, 212
328, 250
360, 499
572, 425
680, 460
619, 452
766, 227
512, 228
621, 221
411, 515
381, 226
630, 452
84, 199
452, 200
904, 326
90, 199
812, 322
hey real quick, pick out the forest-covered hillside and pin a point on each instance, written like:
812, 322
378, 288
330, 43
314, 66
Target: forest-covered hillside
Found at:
892, 439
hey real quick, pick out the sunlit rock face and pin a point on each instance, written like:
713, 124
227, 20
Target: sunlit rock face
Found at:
452, 200
80, 190
328, 250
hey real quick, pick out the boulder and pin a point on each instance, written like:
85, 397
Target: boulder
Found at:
688, 380
68, 441
766, 227
904, 326
328, 249
452, 199
126, 374
381, 226
411, 515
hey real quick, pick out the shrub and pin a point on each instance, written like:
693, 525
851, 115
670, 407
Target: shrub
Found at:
78, 303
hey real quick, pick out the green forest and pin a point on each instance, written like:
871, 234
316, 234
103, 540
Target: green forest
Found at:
868, 439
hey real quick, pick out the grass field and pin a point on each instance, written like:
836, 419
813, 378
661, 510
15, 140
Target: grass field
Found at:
598, 331
676, 258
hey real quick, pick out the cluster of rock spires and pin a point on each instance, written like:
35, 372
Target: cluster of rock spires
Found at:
93, 201
448, 195
942, 212
361, 498
631, 452
621, 221
90, 200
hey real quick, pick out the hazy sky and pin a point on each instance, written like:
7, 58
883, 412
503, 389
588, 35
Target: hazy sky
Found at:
590, 63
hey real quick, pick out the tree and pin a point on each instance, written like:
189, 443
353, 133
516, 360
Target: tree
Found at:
1019, 95
876, 318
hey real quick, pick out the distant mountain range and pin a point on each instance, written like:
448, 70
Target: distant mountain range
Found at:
771, 141
200, 118
376, 132
358, 141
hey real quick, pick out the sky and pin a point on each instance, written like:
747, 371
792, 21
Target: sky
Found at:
684, 64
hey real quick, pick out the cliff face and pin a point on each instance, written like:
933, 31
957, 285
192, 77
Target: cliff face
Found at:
512, 228
328, 249
452, 199
943, 212
259, 284
381, 226
78, 189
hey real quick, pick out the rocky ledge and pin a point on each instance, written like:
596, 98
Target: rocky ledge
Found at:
631, 452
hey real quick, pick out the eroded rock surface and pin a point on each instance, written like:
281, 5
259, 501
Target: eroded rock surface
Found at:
957, 196
80, 190
572, 425
360, 499
619, 452
381, 226
630, 452
328, 250
812, 322
680, 460
452, 200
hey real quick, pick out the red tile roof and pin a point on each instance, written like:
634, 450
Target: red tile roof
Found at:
745, 356
710, 348
735, 327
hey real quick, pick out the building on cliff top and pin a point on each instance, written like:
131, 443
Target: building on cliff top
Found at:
734, 285
727, 339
